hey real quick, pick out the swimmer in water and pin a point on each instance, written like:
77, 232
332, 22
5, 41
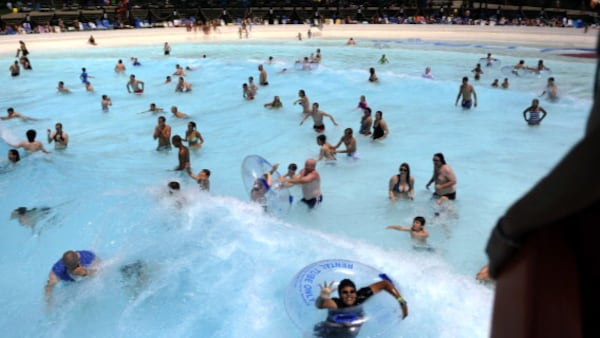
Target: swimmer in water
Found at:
29, 217
349, 303
73, 266
417, 230
262, 185
135, 85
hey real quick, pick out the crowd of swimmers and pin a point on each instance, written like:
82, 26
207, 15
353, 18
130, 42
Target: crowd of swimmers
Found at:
79, 264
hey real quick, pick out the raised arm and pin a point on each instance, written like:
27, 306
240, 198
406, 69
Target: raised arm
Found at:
324, 300
388, 287
398, 227
273, 168
188, 169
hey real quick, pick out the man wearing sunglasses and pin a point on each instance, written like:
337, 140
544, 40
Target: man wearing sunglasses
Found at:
73, 266
345, 315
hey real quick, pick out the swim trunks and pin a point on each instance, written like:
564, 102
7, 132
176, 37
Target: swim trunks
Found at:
466, 104
313, 201
450, 196
319, 129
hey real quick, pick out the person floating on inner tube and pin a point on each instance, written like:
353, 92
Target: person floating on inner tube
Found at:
345, 314
262, 185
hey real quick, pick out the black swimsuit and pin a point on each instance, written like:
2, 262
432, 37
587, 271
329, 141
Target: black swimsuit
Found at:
377, 131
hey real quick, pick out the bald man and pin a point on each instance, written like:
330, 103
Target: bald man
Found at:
310, 180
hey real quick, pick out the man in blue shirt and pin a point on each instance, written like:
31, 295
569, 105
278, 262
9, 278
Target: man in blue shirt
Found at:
73, 266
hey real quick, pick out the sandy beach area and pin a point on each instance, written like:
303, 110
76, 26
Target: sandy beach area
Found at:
542, 37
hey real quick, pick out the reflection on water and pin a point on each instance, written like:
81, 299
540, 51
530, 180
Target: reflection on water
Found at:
218, 266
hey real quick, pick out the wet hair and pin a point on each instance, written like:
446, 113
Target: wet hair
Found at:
404, 164
176, 139
193, 124
345, 283
368, 110
31, 135
207, 172
16, 154
322, 138
348, 130
465, 79
420, 219
70, 259
441, 157
162, 118
292, 166
174, 185
20, 210
10, 110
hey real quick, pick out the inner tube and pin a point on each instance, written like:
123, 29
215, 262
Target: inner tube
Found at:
277, 199
373, 318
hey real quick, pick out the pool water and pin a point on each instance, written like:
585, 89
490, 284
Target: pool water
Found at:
219, 266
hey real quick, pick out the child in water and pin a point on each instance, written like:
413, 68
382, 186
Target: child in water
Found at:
417, 230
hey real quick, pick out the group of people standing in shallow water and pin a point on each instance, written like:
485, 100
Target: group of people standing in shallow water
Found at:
533, 114
401, 186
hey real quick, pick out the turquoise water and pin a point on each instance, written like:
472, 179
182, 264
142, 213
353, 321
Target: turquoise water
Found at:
220, 266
